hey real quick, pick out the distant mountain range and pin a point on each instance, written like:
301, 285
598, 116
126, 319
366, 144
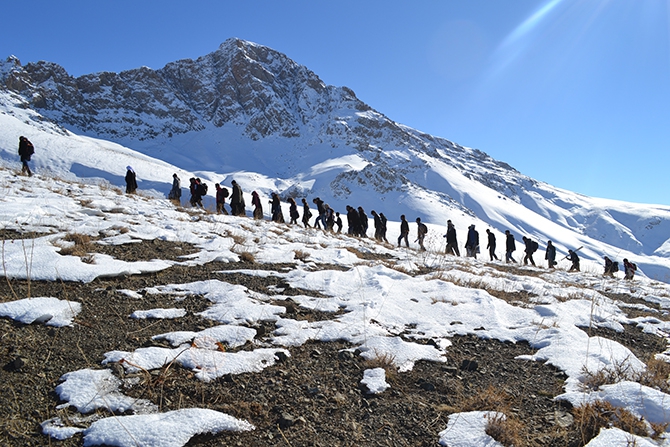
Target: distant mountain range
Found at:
250, 112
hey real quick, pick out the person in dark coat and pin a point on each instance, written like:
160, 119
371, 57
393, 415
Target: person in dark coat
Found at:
258, 206
364, 222
529, 250
491, 244
572, 256
338, 221
629, 269
510, 246
330, 217
237, 205
306, 213
221, 194
131, 180
378, 225
175, 192
472, 243
550, 255
421, 231
452, 243
293, 211
404, 231
26, 151
321, 218
276, 214
384, 223
353, 221
611, 267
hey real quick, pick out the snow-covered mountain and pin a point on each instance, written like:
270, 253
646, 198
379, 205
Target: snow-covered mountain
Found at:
249, 112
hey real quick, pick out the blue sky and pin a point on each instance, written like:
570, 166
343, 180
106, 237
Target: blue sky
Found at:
575, 93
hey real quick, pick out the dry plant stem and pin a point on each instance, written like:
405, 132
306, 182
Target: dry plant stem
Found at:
4, 269
29, 265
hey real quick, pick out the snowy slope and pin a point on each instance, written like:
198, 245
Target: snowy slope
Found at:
248, 112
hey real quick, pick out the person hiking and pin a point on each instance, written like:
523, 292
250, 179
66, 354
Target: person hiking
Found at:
472, 243
421, 231
237, 200
321, 218
338, 221
293, 211
175, 192
550, 255
452, 243
531, 247
378, 225
574, 258
629, 269
491, 244
404, 231
611, 267
221, 194
384, 223
510, 246
330, 217
131, 180
353, 221
258, 206
363, 218
276, 214
26, 151
195, 199
306, 213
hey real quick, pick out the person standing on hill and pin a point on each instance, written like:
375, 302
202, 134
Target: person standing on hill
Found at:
574, 258
629, 269
531, 247
383, 231
378, 225
472, 243
550, 255
404, 231
258, 206
421, 231
26, 150
131, 180
491, 244
221, 194
306, 213
452, 243
237, 200
510, 246
321, 218
363, 219
293, 211
175, 192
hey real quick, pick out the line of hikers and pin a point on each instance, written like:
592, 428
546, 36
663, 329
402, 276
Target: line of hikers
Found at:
357, 221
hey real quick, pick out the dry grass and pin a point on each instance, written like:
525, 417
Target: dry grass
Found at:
590, 418
506, 430
385, 361
82, 246
300, 255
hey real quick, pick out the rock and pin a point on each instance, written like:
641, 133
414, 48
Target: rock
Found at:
15, 365
469, 365
285, 421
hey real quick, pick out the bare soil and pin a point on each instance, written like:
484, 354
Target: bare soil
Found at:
312, 398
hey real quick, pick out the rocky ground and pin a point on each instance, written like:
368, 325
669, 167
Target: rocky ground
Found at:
312, 398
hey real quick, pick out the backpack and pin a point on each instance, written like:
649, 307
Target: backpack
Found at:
533, 246
615, 267
225, 192
203, 189
424, 228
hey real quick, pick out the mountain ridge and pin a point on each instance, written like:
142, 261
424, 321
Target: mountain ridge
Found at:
248, 108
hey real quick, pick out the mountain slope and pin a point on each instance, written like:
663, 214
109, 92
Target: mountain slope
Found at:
250, 112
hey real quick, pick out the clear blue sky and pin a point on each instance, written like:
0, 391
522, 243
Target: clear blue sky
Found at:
575, 93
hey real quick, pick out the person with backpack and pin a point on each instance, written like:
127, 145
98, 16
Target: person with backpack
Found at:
306, 213
175, 192
510, 246
378, 225
131, 180
321, 218
258, 207
421, 232
491, 244
531, 247
574, 258
338, 221
472, 242
221, 194
550, 255
611, 267
353, 221
26, 151
452, 242
330, 217
276, 214
629, 269
404, 231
